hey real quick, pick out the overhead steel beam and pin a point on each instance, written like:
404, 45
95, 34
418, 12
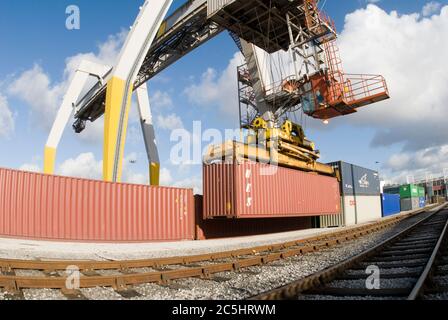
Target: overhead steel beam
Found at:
186, 29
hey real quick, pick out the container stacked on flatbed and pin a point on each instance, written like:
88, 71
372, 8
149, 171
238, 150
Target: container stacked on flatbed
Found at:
246, 189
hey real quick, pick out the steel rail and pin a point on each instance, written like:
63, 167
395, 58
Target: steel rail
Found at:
292, 290
420, 285
233, 261
330, 238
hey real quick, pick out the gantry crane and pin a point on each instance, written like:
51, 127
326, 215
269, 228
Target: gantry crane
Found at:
154, 43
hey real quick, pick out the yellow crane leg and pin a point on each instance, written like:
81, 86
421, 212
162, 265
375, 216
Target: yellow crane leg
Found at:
115, 127
154, 174
49, 160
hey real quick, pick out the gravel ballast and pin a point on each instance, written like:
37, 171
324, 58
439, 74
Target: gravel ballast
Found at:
250, 281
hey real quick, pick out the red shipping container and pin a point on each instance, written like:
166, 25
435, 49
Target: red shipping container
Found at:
255, 190
230, 228
38, 206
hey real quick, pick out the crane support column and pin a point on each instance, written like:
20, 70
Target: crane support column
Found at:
149, 135
120, 86
260, 79
85, 69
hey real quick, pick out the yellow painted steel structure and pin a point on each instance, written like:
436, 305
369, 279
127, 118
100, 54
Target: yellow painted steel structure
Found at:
49, 160
154, 174
237, 151
114, 134
118, 84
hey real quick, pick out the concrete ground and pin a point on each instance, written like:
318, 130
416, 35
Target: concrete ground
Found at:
45, 250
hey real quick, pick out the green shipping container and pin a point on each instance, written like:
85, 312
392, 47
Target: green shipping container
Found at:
421, 192
409, 191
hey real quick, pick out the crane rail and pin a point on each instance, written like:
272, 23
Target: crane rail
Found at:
418, 247
164, 270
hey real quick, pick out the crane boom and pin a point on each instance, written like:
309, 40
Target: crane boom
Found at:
154, 43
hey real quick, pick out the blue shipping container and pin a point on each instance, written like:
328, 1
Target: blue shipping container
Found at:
390, 204
345, 169
356, 180
422, 202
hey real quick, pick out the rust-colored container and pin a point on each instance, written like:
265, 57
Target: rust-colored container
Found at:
255, 190
230, 228
38, 206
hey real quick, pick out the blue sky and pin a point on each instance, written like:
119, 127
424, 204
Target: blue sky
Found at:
33, 35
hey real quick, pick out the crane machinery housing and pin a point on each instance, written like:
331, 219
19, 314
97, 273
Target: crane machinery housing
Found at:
317, 85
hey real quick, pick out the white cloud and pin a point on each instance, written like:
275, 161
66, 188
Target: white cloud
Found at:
34, 88
166, 178
83, 166
170, 122
420, 165
160, 100
194, 183
87, 166
44, 96
398, 46
93, 133
410, 51
218, 89
6, 118
107, 53
30, 167
431, 8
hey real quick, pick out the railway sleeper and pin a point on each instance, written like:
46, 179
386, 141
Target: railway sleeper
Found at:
418, 240
390, 266
382, 276
409, 247
73, 294
402, 253
381, 259
129, 293
356, 292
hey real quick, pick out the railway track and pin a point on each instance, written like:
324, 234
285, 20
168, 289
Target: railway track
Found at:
17, 275
410, 265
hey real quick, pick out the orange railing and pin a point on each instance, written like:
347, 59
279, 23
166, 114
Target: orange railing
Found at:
349, 88
358, 87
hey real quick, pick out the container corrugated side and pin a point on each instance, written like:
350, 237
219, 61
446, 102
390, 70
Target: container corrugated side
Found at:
356, 210
346, 173
421, 192
408, 204
368, 208
48, 207
255, 190
229, 228
390, 204
331, 221
391, 190
409, 191
347, 216
356, 180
